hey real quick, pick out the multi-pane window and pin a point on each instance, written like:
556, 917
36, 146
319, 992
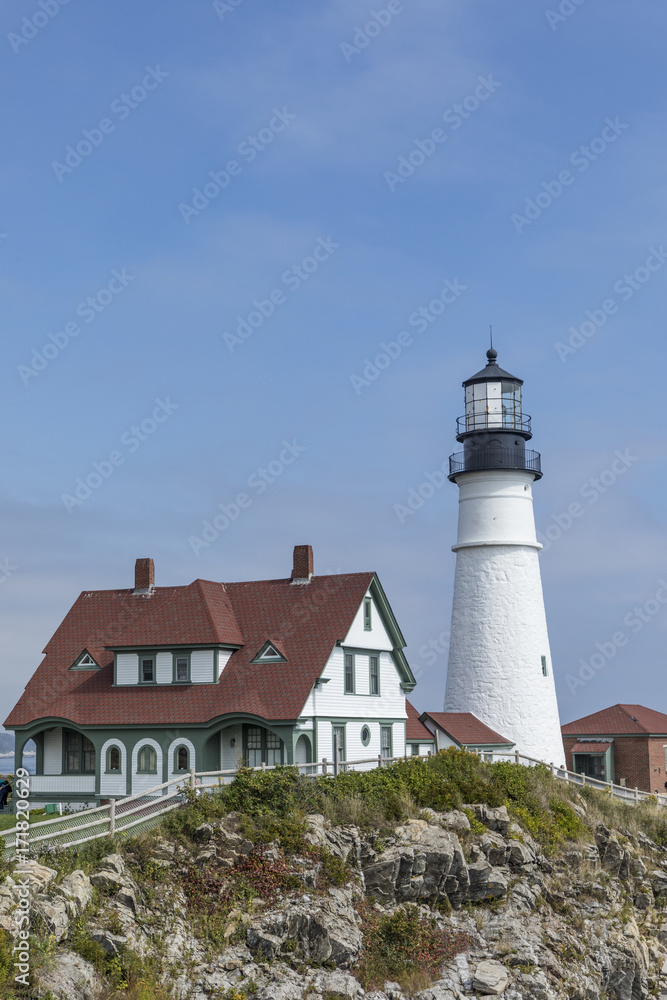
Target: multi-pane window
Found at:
113, 759
182, 673
147, 670
262, 747
414, 749
367, 614
253, 746
339, 733
385, 741
274, 746
374, 674
147, 761
79, 754
349, 673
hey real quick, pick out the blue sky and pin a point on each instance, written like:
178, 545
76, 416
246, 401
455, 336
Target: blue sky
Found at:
540, 190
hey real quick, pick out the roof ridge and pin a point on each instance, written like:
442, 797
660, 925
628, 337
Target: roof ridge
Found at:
288, 579
624, 708
212, 622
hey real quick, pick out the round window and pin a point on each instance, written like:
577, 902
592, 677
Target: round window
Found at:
365, 735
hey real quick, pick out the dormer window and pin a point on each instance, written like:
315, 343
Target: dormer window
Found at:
85, 662
182, 668
147, 670
269, 653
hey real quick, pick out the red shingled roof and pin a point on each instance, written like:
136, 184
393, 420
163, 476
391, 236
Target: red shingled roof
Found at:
591, 747
306, 621
623, 719
466, 728
414, 729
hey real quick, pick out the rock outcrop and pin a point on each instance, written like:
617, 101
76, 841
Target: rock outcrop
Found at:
583, 924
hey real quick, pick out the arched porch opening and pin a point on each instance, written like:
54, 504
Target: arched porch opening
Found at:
303, 752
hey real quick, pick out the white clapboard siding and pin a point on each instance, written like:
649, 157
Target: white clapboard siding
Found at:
113, 783
374, 638
362, 681
127, 668
53, 751
165, 668
142, 782
324, 740
60, 784
201, 666
223, 660
330, 699
182, 742
398, 740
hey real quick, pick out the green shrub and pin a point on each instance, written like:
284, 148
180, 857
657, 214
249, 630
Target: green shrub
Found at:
405, 947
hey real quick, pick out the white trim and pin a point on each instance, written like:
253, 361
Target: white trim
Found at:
182, 742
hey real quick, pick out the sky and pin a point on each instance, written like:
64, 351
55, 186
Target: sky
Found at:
217, 217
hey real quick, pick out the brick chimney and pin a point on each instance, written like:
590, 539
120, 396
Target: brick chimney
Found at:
144, 576
303, 564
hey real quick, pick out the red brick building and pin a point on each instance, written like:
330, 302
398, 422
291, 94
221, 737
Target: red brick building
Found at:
626, 744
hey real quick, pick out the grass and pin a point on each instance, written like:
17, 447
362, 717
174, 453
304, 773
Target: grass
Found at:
8, 821
272, 806
406, 947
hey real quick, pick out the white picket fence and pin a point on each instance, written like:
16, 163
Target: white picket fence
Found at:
145, 809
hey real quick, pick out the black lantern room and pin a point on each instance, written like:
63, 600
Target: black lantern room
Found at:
493, 430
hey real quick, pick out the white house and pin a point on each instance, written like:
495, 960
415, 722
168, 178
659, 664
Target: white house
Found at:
139, 685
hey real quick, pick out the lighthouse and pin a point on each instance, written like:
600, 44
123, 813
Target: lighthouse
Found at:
500, 665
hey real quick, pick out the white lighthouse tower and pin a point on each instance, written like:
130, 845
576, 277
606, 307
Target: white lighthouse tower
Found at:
499, 660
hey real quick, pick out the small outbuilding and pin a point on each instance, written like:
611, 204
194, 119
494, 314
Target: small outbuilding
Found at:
626, 744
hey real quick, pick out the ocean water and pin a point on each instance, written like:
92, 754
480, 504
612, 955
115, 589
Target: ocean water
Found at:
7, 763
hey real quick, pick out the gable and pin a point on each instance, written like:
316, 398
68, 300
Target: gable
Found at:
376, 636
383, 634
85, 661
270, 653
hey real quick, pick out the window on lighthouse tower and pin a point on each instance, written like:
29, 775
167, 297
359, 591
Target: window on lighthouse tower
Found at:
511, 404
493, 404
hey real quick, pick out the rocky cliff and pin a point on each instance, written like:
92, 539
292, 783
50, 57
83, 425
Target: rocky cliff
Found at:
454, 904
